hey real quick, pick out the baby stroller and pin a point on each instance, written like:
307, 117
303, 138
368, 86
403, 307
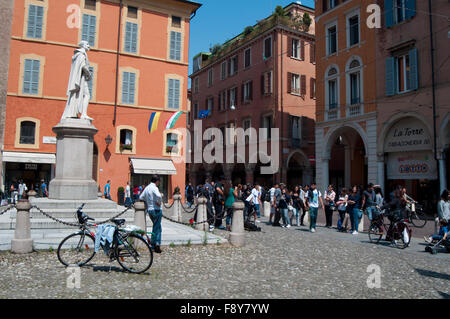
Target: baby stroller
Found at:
250, 224
438, 245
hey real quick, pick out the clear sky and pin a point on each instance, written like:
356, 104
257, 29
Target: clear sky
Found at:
218, 20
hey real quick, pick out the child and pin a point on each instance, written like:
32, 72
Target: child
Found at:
443, 232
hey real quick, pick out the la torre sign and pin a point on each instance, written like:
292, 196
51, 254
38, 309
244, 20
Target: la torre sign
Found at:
408, 135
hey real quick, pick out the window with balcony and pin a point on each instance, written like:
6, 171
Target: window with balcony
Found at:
332, 93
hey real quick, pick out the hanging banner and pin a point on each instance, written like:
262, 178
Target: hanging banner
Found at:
409, 134
411, 165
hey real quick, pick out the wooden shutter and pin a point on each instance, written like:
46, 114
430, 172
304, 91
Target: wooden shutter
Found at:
303, 85
390, 76
413, 67
389, 13
410, 8
302, 50
289, 82
311, 88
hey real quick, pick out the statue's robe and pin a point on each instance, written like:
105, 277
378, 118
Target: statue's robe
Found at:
77, 79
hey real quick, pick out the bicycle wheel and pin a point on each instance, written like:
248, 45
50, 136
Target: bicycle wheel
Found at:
399, 239
134, 254
375, 233
76, 249
418, 218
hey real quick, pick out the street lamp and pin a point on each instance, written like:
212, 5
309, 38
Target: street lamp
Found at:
108, 140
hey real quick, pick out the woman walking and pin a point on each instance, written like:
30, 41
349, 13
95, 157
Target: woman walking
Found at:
354, 207
342, 208
296, 204
285, 200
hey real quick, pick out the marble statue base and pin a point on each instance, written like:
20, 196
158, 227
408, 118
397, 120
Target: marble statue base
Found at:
74, 152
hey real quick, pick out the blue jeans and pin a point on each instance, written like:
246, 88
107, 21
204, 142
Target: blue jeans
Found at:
370, 211
229, 218
285, 215
156, 216
258, 212
355, 223
296, 214
313, 217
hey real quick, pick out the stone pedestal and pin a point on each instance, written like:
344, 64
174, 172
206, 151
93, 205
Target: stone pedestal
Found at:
176, 208
237, 235
22, 242
202, 215
267, 209
74, 151
139, 215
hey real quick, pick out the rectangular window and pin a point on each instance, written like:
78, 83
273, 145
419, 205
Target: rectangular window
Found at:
332, 40
267, 48
312, 88
233, 65
88, 29
331, 4
31, 77
210, 77
210, 105
195, 111
296, 48
90, 4
295, 83
174, 94
131, 30
247, 124
353, 34
176, 22
196, 85
247, 93
247, 57
399, 10
355, 88
172, 143
128, 87
223, 74
27, 132
267, 124
233, 95
296, 127
175, 45
35, 21
403, 73
332, 94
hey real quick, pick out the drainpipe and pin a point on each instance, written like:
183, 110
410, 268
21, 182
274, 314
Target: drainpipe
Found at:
433, 90
117, 63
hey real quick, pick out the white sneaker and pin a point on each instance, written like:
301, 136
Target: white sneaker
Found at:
211, 228
257, 221
288, 226
313, 230
355, 233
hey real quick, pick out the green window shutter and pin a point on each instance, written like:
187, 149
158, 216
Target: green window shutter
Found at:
413, 67
390, 76
389, 13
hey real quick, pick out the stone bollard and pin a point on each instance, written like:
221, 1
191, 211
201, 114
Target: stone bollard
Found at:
202, 215
361, 224
31, 195
99, 194
237, 236
22, 242
176, 208
266, 209
139, 215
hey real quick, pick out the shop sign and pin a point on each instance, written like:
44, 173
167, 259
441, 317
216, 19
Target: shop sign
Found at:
49, 140
408, 135
30, 167
411, 165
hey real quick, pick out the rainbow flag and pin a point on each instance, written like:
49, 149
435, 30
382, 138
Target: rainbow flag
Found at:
172, 120
153, 122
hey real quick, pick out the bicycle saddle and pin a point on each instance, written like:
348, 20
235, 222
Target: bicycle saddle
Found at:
118, 222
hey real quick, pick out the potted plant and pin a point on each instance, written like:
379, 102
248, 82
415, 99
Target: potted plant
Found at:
120, 196
126, 147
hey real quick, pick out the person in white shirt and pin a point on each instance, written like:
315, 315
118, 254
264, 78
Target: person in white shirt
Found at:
128, 201
153, 200
256, 193
313, 201
22, 189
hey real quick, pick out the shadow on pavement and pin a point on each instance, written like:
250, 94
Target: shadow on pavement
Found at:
433, 274
444, 295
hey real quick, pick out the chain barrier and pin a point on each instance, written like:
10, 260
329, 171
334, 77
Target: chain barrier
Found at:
78, 224
168, 207
213, 218
8, 208
189, 211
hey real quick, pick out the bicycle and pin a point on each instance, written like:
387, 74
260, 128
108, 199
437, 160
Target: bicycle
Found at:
397, 232
131, 250
416, 214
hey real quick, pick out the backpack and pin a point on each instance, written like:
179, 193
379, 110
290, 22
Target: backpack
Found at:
251, 226
266, 196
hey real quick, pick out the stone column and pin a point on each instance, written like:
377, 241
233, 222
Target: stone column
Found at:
348, 166
442, 174
22, 242
267, 208
237, 236
139, 215
202, 215
325, 175
176, 209
381, 173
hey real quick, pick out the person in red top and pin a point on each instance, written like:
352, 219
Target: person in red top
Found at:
136, 193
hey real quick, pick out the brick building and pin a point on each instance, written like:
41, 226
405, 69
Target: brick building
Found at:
262, 78
139, 63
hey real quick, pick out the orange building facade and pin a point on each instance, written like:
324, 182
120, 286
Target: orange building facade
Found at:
139, 62
346, 128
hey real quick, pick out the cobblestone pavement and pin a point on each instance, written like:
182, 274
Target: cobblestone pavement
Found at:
275, 263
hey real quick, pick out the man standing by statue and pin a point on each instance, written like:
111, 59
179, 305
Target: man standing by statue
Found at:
78, 89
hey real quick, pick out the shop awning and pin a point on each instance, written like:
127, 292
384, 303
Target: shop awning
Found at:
24, 157
150, 166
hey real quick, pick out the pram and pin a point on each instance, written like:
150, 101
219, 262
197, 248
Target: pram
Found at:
436, 245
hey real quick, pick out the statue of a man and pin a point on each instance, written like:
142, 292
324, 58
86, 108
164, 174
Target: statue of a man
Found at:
78, 89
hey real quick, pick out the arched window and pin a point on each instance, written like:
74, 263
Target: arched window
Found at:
354, 82
27, 132
332, 93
